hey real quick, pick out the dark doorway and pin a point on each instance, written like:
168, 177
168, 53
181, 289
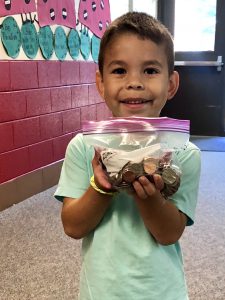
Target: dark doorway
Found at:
202, 83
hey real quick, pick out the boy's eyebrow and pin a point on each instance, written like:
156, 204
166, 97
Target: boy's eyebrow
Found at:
153, 62
145, 63
116, 62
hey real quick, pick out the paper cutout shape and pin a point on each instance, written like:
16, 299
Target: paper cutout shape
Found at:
60, 12
74, 43
95, 15
13, 7
46, 41
60, 43
11, 37
29, 39
95, 45
85, 46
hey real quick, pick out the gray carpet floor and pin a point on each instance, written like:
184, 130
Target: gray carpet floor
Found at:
209, 143
38, 261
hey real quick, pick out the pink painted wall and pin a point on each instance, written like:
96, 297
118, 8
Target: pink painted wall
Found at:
42, 104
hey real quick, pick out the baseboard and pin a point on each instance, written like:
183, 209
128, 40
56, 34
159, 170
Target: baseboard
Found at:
23, 187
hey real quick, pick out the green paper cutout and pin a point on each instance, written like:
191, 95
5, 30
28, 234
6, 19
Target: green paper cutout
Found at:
95, 45
11, 37
29, 39
85, 46
46, 41
74, 43
60, 43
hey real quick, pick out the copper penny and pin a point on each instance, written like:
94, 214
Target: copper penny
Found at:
150, 165
128, 176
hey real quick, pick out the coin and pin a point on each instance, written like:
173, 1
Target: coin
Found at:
169, 176
150, 165
128, 176
171, 181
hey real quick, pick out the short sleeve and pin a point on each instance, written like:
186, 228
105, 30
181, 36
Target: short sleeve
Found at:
186, 197
76, 170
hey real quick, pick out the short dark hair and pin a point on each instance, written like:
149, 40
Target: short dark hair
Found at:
143, 25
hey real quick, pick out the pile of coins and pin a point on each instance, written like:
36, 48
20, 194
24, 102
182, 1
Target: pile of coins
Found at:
148, 167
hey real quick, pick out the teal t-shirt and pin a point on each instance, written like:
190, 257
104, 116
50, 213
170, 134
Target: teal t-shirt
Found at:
121, 260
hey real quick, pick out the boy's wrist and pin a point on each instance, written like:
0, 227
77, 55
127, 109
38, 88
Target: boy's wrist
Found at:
96, 188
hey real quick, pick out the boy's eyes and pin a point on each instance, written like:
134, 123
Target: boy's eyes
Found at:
151, 71
148, 71
119, 71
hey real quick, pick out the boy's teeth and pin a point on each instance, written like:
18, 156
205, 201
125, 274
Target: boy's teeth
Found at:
134, 102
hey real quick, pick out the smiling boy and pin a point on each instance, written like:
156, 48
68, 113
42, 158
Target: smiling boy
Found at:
130, 242
135, 78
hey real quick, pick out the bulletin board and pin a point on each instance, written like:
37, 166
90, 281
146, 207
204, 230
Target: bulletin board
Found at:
52, 29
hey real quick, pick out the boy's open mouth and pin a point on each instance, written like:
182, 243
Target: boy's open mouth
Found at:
135, 101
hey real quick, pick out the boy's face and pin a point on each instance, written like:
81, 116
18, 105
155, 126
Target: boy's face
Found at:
135, 79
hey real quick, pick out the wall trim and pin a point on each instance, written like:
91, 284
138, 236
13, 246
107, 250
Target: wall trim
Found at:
23, 187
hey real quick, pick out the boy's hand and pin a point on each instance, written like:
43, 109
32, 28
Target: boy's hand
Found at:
144, 188
101, 178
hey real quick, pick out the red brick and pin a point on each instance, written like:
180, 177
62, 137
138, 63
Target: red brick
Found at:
51, 126
70, 72
6, 137
12, 106
61, 98
88, 113
38, 102
26, 131
23, 74
71, 120
93, 95
4, 76
59, 146
49, 73
14, 164
40, 154
87, 72
79, 95
76, 132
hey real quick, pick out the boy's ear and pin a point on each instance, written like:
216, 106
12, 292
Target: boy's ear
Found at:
99, 83
173, 84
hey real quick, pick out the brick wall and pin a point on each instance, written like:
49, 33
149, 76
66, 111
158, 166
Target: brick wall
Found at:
42, 104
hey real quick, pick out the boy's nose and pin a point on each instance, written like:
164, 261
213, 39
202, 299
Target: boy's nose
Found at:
135, 83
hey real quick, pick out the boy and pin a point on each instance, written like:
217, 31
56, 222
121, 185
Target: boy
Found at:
130, 246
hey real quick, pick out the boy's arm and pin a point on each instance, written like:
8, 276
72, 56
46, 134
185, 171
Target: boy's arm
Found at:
82, 215
162, 218
164, 221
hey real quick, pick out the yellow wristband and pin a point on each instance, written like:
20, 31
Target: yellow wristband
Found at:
92, 183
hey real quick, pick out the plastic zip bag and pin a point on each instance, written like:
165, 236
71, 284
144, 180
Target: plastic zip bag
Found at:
135, 146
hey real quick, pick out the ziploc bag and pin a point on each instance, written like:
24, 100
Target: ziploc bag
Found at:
136, 146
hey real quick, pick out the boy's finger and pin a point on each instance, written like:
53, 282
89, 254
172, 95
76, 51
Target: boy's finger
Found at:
159, 184
148, 187
101, 180
140, 191
95, 160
